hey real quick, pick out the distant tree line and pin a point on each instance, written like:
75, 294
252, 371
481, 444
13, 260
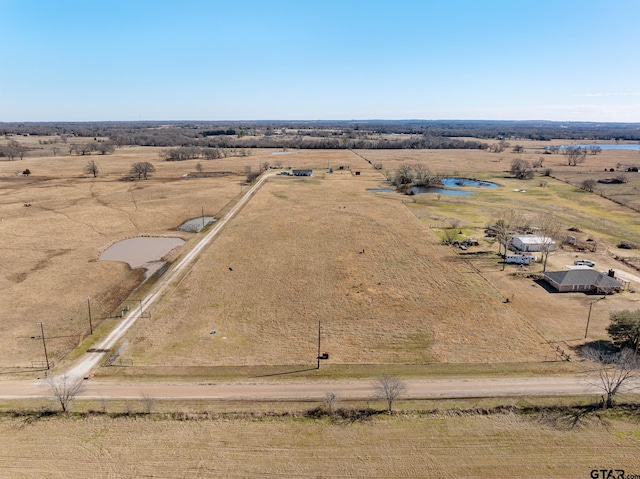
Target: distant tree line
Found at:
326, 134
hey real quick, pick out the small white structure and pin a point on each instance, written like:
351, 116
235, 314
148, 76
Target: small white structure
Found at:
533, 243
520, 258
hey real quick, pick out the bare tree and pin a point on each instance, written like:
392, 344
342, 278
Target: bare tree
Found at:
251, 175
13, 149
575, 155
588, 185
65, 389
83, 148
199, 167
615, 372
504, 226
91, 168
422, 174
594, 149
389, 388
549, 228
142, 169
404, 174
538, 162
105, 147
518, 149
148, 401
521, 169
330, 401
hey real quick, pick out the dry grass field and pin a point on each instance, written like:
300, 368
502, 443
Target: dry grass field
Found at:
431, 445
370, 266
49, 250
295, 252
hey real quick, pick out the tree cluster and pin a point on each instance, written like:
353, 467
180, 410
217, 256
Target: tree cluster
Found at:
415, 174
102, 147
208, 153
142, 170
521, 169
12, 150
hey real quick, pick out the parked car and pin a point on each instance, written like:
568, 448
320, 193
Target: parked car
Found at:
585, 262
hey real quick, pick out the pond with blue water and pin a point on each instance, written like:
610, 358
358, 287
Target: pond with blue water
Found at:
607, 146
451, 187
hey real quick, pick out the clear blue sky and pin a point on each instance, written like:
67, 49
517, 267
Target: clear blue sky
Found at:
88, 60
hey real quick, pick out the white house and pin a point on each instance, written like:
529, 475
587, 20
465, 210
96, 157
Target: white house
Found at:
533, 243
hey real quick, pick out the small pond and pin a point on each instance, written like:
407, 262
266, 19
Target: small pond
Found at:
417, 190
196, 225
451, 186
142, 252
463, 182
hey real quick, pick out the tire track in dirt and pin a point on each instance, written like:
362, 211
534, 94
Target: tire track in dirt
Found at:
135, 210
88, 225
107, 205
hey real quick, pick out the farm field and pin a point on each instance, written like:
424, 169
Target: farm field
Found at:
440, 444
370, 266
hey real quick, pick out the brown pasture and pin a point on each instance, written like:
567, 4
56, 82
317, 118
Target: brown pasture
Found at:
432, 445
295, 251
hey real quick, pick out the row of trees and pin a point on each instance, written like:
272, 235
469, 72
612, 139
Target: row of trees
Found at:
140, 170
102, 147
208, 153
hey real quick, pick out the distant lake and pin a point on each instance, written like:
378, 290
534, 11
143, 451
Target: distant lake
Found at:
608, 146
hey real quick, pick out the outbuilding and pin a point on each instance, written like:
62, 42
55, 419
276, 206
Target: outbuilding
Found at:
533, 243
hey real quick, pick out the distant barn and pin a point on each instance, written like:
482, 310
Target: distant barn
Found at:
302, 172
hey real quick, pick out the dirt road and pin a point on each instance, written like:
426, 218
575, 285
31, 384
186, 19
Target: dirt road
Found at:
91, 360
315, 390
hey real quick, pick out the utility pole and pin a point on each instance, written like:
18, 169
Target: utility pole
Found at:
318, 344
89, 308
44, 344
589, 315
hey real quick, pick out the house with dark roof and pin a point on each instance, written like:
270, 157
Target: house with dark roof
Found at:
583, 280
